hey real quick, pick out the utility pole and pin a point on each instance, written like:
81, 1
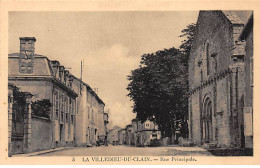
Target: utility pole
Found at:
81, 72
81, 68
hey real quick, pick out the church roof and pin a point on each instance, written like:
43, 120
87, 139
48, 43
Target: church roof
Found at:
238, 16
232, 17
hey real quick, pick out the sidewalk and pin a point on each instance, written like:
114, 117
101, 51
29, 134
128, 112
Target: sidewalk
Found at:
42, 152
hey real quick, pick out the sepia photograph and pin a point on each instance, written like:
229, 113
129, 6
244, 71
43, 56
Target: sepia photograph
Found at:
104, 84
130, 83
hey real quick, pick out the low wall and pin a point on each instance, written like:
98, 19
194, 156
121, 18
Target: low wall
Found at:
41, 137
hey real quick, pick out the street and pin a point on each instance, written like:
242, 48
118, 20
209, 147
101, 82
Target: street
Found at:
131, 151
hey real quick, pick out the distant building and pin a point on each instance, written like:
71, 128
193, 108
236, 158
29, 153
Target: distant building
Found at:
134, 131
140, 134
122, 137
90, 114
146, 132
129, 135
112, 135
247, 36
217, 80
45, 79
106, 121
95, 116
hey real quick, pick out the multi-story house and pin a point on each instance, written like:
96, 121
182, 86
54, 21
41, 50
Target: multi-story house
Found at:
122, 137
135, 131
95, 126
45, 80
106, 122
146, 132
90, 114
77, 114
113, 136
129, 135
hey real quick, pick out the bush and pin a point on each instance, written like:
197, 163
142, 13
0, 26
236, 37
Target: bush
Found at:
41, 108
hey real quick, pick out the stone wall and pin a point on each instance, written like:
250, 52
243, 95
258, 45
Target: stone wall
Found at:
41, 137
248, 110
214, 29
195, 122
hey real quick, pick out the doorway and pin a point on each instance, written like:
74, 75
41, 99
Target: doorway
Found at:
207, 121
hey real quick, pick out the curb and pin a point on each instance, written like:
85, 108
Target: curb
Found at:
42, 152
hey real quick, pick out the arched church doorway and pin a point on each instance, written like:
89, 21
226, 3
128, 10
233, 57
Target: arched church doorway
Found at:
207, 121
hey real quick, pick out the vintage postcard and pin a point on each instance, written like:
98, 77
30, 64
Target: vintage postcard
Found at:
113, 82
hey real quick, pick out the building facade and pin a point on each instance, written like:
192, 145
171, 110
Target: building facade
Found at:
95, 107
106, 122
129, 135
147, 132
216, 80
134, 131
122, 137
113, 136
90, 114
76, 116
45, 80
140, 134
247, 36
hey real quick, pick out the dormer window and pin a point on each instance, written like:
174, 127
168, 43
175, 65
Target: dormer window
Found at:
60, 74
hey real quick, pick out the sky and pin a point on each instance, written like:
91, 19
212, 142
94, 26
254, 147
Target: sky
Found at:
110, 43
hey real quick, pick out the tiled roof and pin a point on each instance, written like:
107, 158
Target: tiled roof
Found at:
232, 17
238, 16
41, 67
248, 28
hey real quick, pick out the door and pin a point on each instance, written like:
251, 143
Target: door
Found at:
207, 121
17, 136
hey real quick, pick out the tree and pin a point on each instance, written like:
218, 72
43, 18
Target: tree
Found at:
185, 47
159, 86
41, 108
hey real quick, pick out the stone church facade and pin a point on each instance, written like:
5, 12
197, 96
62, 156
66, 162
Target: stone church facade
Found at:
217, 80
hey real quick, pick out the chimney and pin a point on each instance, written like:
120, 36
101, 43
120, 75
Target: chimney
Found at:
26, 60
55, 66
61, 73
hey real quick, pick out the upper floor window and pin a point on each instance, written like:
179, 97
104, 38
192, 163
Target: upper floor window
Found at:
60, 75
72, 119
88, 112
61, 102
251, 72
56, 97
73, 107
92, 115
66, 117
208, 59
65, 104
